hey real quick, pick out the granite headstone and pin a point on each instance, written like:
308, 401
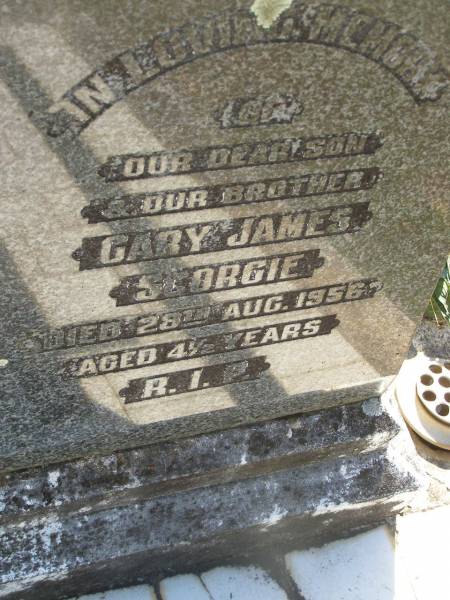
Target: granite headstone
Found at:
212, 215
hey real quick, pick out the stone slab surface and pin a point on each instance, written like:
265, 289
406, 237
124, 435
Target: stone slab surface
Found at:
233, 454
184, 586
250, 583
211, 217
360, 568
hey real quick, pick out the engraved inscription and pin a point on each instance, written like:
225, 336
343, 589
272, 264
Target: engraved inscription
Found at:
261, 190
213, 236
135, 289
260, 110
193, 380
146, 244
167, 352
182, 298
211, 158
387, 44
98, 332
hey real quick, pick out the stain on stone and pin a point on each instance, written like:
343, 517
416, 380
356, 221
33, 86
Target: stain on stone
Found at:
259, 444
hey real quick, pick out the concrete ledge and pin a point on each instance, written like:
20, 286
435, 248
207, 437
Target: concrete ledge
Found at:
233, 454
112, 521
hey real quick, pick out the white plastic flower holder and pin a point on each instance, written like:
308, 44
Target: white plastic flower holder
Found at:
422, 389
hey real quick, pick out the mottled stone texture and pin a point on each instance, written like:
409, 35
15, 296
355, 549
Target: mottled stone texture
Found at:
143, 514
237, 452
209, 223
208, 226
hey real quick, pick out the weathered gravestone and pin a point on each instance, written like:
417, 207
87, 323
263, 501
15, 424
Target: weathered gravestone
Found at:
212, 216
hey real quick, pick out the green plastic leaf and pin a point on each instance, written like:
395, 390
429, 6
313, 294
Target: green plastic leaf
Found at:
439, 307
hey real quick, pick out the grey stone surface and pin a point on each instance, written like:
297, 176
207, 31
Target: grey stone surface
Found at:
431, 339
192, 462
119, 307
141, 515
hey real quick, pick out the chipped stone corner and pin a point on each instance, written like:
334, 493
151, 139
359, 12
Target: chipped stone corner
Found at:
268, 11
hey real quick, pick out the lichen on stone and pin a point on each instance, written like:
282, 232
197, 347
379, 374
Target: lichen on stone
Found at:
268, 11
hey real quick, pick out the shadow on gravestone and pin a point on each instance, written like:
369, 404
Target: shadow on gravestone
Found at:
82, 166
81, 420
39, 411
